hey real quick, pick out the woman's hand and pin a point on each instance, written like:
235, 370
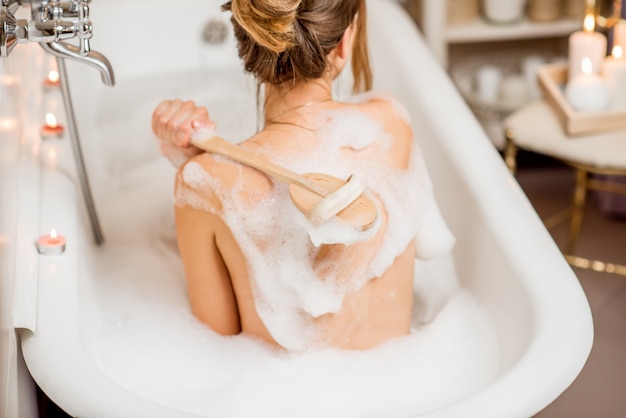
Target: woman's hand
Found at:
173, 122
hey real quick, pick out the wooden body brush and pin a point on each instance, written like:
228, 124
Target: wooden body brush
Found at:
318, 196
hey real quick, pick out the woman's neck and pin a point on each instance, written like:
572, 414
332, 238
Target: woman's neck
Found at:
282, 104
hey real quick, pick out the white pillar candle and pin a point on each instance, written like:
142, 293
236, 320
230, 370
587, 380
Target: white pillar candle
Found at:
587, 92
586, 43
614, 73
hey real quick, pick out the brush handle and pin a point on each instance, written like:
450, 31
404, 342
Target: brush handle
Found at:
222, 147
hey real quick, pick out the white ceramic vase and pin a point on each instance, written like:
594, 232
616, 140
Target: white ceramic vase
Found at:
504, 11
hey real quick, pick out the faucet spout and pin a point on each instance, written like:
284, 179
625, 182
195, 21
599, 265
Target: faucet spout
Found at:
92, 58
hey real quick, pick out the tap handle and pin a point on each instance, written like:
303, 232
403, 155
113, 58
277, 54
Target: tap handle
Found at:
84, 27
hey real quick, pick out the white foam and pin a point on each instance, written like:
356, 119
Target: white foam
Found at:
195, 176
149, 341
350, 129
151, 344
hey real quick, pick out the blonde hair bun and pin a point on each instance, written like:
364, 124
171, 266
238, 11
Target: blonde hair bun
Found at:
269, 22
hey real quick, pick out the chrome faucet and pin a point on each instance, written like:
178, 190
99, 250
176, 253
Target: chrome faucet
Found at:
53, 22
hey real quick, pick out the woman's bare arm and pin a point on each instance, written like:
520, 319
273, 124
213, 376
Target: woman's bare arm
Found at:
210, 289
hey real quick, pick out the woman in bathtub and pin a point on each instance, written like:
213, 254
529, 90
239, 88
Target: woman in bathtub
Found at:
249, 262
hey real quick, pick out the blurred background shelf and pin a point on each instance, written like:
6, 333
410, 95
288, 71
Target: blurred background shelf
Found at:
433, 18
463, 40
479, 30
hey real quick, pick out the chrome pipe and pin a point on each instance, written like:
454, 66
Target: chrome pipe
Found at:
78, 154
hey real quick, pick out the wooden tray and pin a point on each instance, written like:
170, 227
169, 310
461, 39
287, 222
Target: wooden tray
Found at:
552, 78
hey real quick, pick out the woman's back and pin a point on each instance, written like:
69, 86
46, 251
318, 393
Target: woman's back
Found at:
287, 289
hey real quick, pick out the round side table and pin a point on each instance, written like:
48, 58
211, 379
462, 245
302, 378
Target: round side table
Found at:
536, 128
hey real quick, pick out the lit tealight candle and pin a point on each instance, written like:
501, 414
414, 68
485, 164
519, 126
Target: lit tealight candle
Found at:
587, 92
51, 244
614, 73
52, 129
52, 81
586, 44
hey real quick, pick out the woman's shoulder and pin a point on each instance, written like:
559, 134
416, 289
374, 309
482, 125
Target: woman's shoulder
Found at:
395, 121
382, 106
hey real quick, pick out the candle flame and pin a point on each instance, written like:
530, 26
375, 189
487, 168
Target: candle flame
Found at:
53, 233
617, 52
589, 23
53, 76
51, 120
586, 66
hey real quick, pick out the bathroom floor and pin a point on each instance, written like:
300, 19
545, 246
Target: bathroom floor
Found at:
599, 389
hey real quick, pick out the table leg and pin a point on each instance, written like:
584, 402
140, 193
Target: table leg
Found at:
510, 152
580, 195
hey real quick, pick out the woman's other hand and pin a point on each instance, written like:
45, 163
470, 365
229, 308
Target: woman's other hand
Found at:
173, 122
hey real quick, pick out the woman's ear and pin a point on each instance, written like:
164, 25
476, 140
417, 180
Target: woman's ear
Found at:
344, 48
339, 56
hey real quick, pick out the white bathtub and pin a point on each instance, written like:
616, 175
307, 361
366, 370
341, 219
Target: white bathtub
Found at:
504, 256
